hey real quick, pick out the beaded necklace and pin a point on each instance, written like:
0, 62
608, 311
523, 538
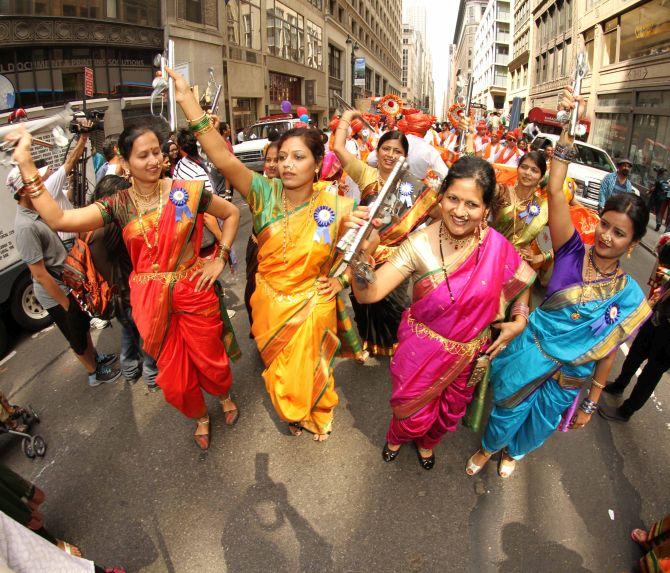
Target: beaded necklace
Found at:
516, 205
456, 244
592, 273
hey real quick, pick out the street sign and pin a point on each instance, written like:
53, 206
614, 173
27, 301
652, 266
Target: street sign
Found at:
359, 72
88, 82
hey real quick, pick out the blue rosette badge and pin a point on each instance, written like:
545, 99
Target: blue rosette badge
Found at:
611, 316
179, 197
532, 211
324, 217
405, 191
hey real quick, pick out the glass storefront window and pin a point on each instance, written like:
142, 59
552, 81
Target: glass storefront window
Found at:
610, 132
649, 148
617, 99
656, 98
141, 12
285, 87
645, 30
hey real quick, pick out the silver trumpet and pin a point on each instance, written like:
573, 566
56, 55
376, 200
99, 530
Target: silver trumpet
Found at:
164, 83
564, 116
212, 101
467, 100
54, 123
349, 246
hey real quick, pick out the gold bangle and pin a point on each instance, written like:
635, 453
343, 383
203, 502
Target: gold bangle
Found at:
34, 179
204, 130
597, 384
191, 121
38, 191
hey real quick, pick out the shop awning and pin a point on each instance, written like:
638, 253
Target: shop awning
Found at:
544, 116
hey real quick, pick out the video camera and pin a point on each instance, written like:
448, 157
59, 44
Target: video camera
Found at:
95, 116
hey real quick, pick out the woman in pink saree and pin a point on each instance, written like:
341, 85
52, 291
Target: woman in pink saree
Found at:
465, 276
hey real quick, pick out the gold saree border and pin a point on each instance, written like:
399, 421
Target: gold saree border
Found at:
573, 294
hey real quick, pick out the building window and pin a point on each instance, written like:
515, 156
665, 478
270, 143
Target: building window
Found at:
589, 38
285, 87
285, 29
610, 132
314, 46
644, 31
648, 149
610, 33
334, 62
197, 11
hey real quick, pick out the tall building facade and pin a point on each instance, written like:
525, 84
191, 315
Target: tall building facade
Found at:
519, 65
418, 85
368, 29
628, 51
492, 54
552, 50
470, 13
412, 67
45, 46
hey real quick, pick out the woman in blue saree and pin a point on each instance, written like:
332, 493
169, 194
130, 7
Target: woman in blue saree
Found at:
591, 307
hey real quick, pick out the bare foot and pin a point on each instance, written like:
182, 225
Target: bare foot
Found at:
295, 429
68, 548
320, 437
640, 537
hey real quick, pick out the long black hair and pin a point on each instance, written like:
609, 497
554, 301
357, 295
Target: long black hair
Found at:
469, 167
633, 206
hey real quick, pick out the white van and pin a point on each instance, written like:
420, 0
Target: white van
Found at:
588, 169
255, 138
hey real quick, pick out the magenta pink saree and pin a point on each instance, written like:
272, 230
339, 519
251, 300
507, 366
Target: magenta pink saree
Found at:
438, 341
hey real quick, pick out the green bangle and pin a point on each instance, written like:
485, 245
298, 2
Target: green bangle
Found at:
201, 124
548, 256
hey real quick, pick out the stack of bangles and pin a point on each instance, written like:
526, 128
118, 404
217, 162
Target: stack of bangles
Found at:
548, 256
597, 384
34, 186
520, 309
564, 153
588, 406
201, 125
224, 252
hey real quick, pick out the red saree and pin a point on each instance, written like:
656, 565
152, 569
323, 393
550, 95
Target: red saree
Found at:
182, 329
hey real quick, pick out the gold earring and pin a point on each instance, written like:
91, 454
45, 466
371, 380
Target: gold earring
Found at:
630, 250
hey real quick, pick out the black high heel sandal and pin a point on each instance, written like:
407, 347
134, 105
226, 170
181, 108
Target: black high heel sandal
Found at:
388, 454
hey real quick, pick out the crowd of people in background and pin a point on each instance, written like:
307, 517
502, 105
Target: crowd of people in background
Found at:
160, 225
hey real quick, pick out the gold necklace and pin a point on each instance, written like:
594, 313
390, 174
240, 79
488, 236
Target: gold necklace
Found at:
592, 273
285, 215
143, 231
446, 235
455, 242
516, 204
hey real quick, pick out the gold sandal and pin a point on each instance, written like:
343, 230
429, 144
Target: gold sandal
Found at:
230, 411
202, 438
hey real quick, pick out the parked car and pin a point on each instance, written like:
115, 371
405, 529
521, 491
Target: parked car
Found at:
588, 169
255, 138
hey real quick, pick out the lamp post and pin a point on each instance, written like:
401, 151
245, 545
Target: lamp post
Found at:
354, 47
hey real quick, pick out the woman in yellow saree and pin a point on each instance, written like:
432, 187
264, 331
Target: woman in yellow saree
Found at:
294, 306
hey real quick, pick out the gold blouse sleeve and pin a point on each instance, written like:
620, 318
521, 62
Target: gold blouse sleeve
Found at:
402, 258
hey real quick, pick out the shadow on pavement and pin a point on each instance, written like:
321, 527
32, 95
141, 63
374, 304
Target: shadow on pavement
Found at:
271, 526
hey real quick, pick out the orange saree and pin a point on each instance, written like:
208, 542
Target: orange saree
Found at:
182, 329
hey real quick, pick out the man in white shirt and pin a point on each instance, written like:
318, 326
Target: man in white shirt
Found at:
190, 166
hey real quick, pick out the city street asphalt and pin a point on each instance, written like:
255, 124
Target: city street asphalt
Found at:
126, 483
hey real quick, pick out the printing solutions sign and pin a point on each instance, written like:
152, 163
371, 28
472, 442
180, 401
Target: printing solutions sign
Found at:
359, 72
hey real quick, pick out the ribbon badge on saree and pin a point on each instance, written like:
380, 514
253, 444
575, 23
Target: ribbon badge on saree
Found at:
179, 197
610, 317
532, 211
405, 191
324, 217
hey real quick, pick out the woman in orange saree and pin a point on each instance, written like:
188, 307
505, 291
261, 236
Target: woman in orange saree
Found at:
178, 313
294, 306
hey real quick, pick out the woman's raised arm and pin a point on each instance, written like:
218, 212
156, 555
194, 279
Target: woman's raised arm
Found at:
560, 224
340, 141
212, 142
72, 220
